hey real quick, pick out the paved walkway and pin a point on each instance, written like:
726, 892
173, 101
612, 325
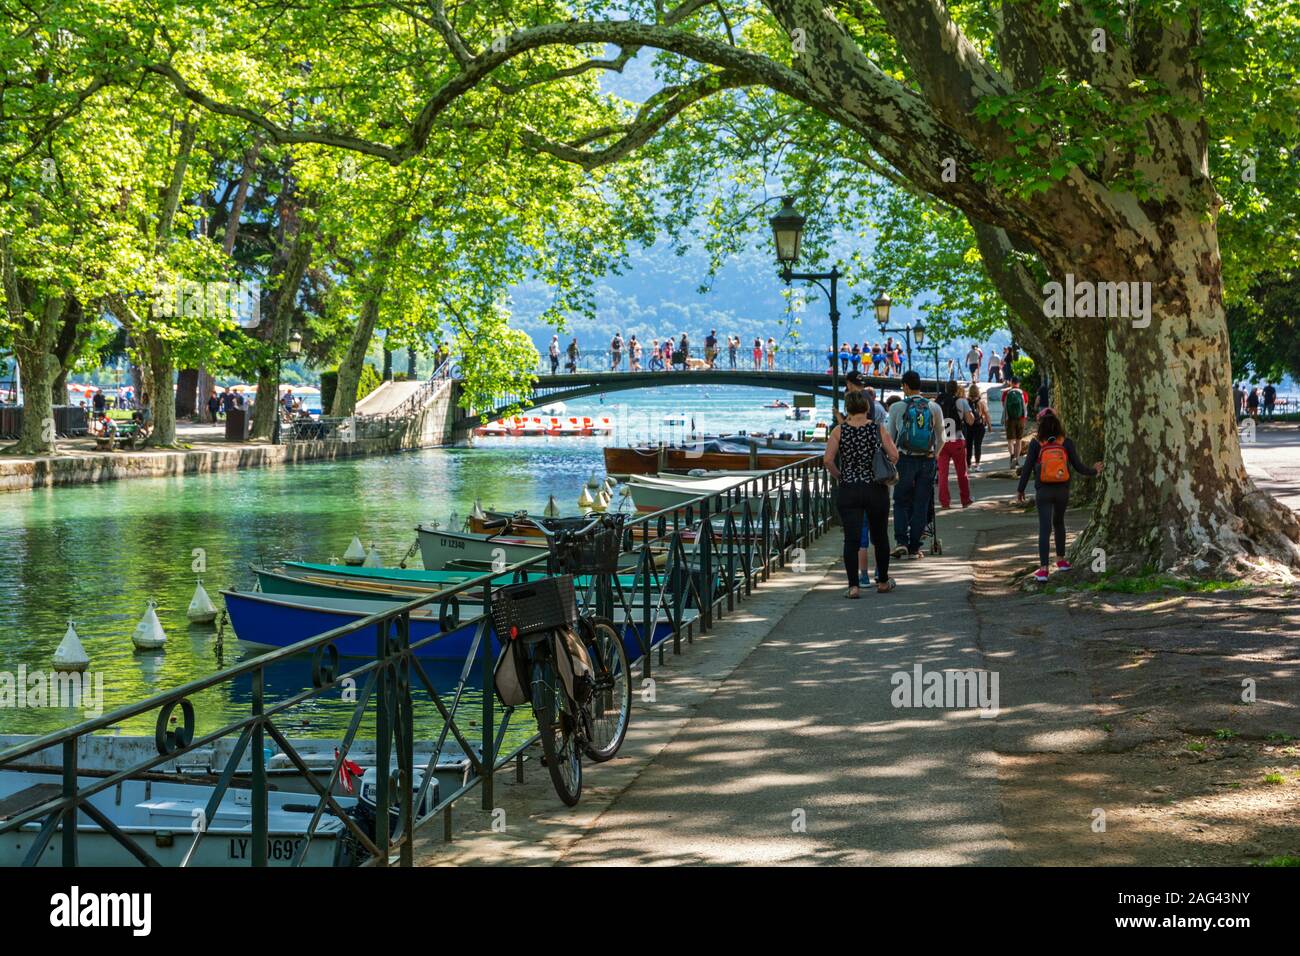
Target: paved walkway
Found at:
774, 739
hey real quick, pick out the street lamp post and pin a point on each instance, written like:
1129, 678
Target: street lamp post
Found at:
787, 231
909, 332
294, 349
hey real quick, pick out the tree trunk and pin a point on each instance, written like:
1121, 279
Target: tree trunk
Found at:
345, 395
265, 410
388, 365
38, 368
187, 388
161, 400
1176, 495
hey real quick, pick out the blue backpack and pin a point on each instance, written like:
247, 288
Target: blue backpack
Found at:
917, 433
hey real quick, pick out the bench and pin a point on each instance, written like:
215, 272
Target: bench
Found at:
126, 435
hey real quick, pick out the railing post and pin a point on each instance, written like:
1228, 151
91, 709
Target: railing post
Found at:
489, 758
706, 569
647, 619
70, 791
383, 743
259, 796
406, 741
767, 529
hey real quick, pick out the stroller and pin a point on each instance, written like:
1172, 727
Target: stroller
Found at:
932, 522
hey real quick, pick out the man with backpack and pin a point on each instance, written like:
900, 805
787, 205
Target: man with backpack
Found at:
616, 351
1015, 412
915, 424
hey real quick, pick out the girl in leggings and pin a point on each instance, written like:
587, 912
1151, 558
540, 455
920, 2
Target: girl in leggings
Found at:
1051, 491
850, 453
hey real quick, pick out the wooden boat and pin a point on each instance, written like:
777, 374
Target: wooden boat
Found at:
160, 818
710, 455
438, 546
102, 754
275, 620
652, 493
377, 589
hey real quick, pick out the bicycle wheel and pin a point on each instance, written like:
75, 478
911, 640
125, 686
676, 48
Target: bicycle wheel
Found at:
556, 725
609, 708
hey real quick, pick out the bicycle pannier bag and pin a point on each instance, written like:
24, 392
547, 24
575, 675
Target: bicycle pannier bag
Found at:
574, 664
511, 676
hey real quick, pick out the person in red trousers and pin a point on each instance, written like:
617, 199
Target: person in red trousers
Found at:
957, 415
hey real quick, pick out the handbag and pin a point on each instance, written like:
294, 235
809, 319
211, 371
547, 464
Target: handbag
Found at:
883, 470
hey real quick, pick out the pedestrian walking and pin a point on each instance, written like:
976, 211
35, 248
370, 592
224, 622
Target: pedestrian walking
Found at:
1053, 460
573, 355
957, 415
1252, 402
554, 352
634, 354
915, 426
771, 354
974, 359
851, 454
1270, 399
1015, 413
214, 406
995, 366
711, 348
975, 433
616, 352
733, 346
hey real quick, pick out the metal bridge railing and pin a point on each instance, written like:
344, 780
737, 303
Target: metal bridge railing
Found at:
706, 554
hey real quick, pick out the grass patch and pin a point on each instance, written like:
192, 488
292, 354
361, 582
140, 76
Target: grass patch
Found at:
1151, 584
1281, 861
1224, 734
1196, 746
1274, 778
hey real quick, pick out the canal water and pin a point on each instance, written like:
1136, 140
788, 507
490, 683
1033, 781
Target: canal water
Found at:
96, 554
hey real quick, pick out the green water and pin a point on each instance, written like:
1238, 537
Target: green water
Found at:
98, 553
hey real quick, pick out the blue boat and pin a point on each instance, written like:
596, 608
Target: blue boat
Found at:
281, 620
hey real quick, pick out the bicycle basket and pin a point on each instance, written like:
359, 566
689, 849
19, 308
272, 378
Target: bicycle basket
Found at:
542, 605
596, 552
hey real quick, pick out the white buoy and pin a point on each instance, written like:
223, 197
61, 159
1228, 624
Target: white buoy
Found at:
149, 634
70, 655
453, 522
552, 509
625, 491
593, 483
478, 514
601, 503
585, 500
201, 609
373, 558
355, 554
610, 484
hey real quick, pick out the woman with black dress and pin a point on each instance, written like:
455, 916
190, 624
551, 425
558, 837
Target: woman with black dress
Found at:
850, 454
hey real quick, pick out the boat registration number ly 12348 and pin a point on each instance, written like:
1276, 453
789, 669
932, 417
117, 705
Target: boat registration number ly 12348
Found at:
277, 848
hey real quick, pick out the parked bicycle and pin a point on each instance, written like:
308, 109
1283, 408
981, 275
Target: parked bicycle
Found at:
573, 660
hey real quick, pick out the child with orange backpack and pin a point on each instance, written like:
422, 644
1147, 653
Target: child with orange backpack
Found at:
1051, 459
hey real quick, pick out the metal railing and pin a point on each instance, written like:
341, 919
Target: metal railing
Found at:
690, 565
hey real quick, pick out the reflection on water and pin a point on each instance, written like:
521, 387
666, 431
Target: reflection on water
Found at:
97, 554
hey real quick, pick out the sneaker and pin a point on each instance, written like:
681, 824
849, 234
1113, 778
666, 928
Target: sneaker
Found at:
898, 552
1041, 575
914, 555
1064, 565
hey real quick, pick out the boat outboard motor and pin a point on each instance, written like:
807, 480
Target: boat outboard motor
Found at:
365, 813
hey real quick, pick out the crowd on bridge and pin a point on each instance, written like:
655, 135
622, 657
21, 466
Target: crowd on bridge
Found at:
674, 353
